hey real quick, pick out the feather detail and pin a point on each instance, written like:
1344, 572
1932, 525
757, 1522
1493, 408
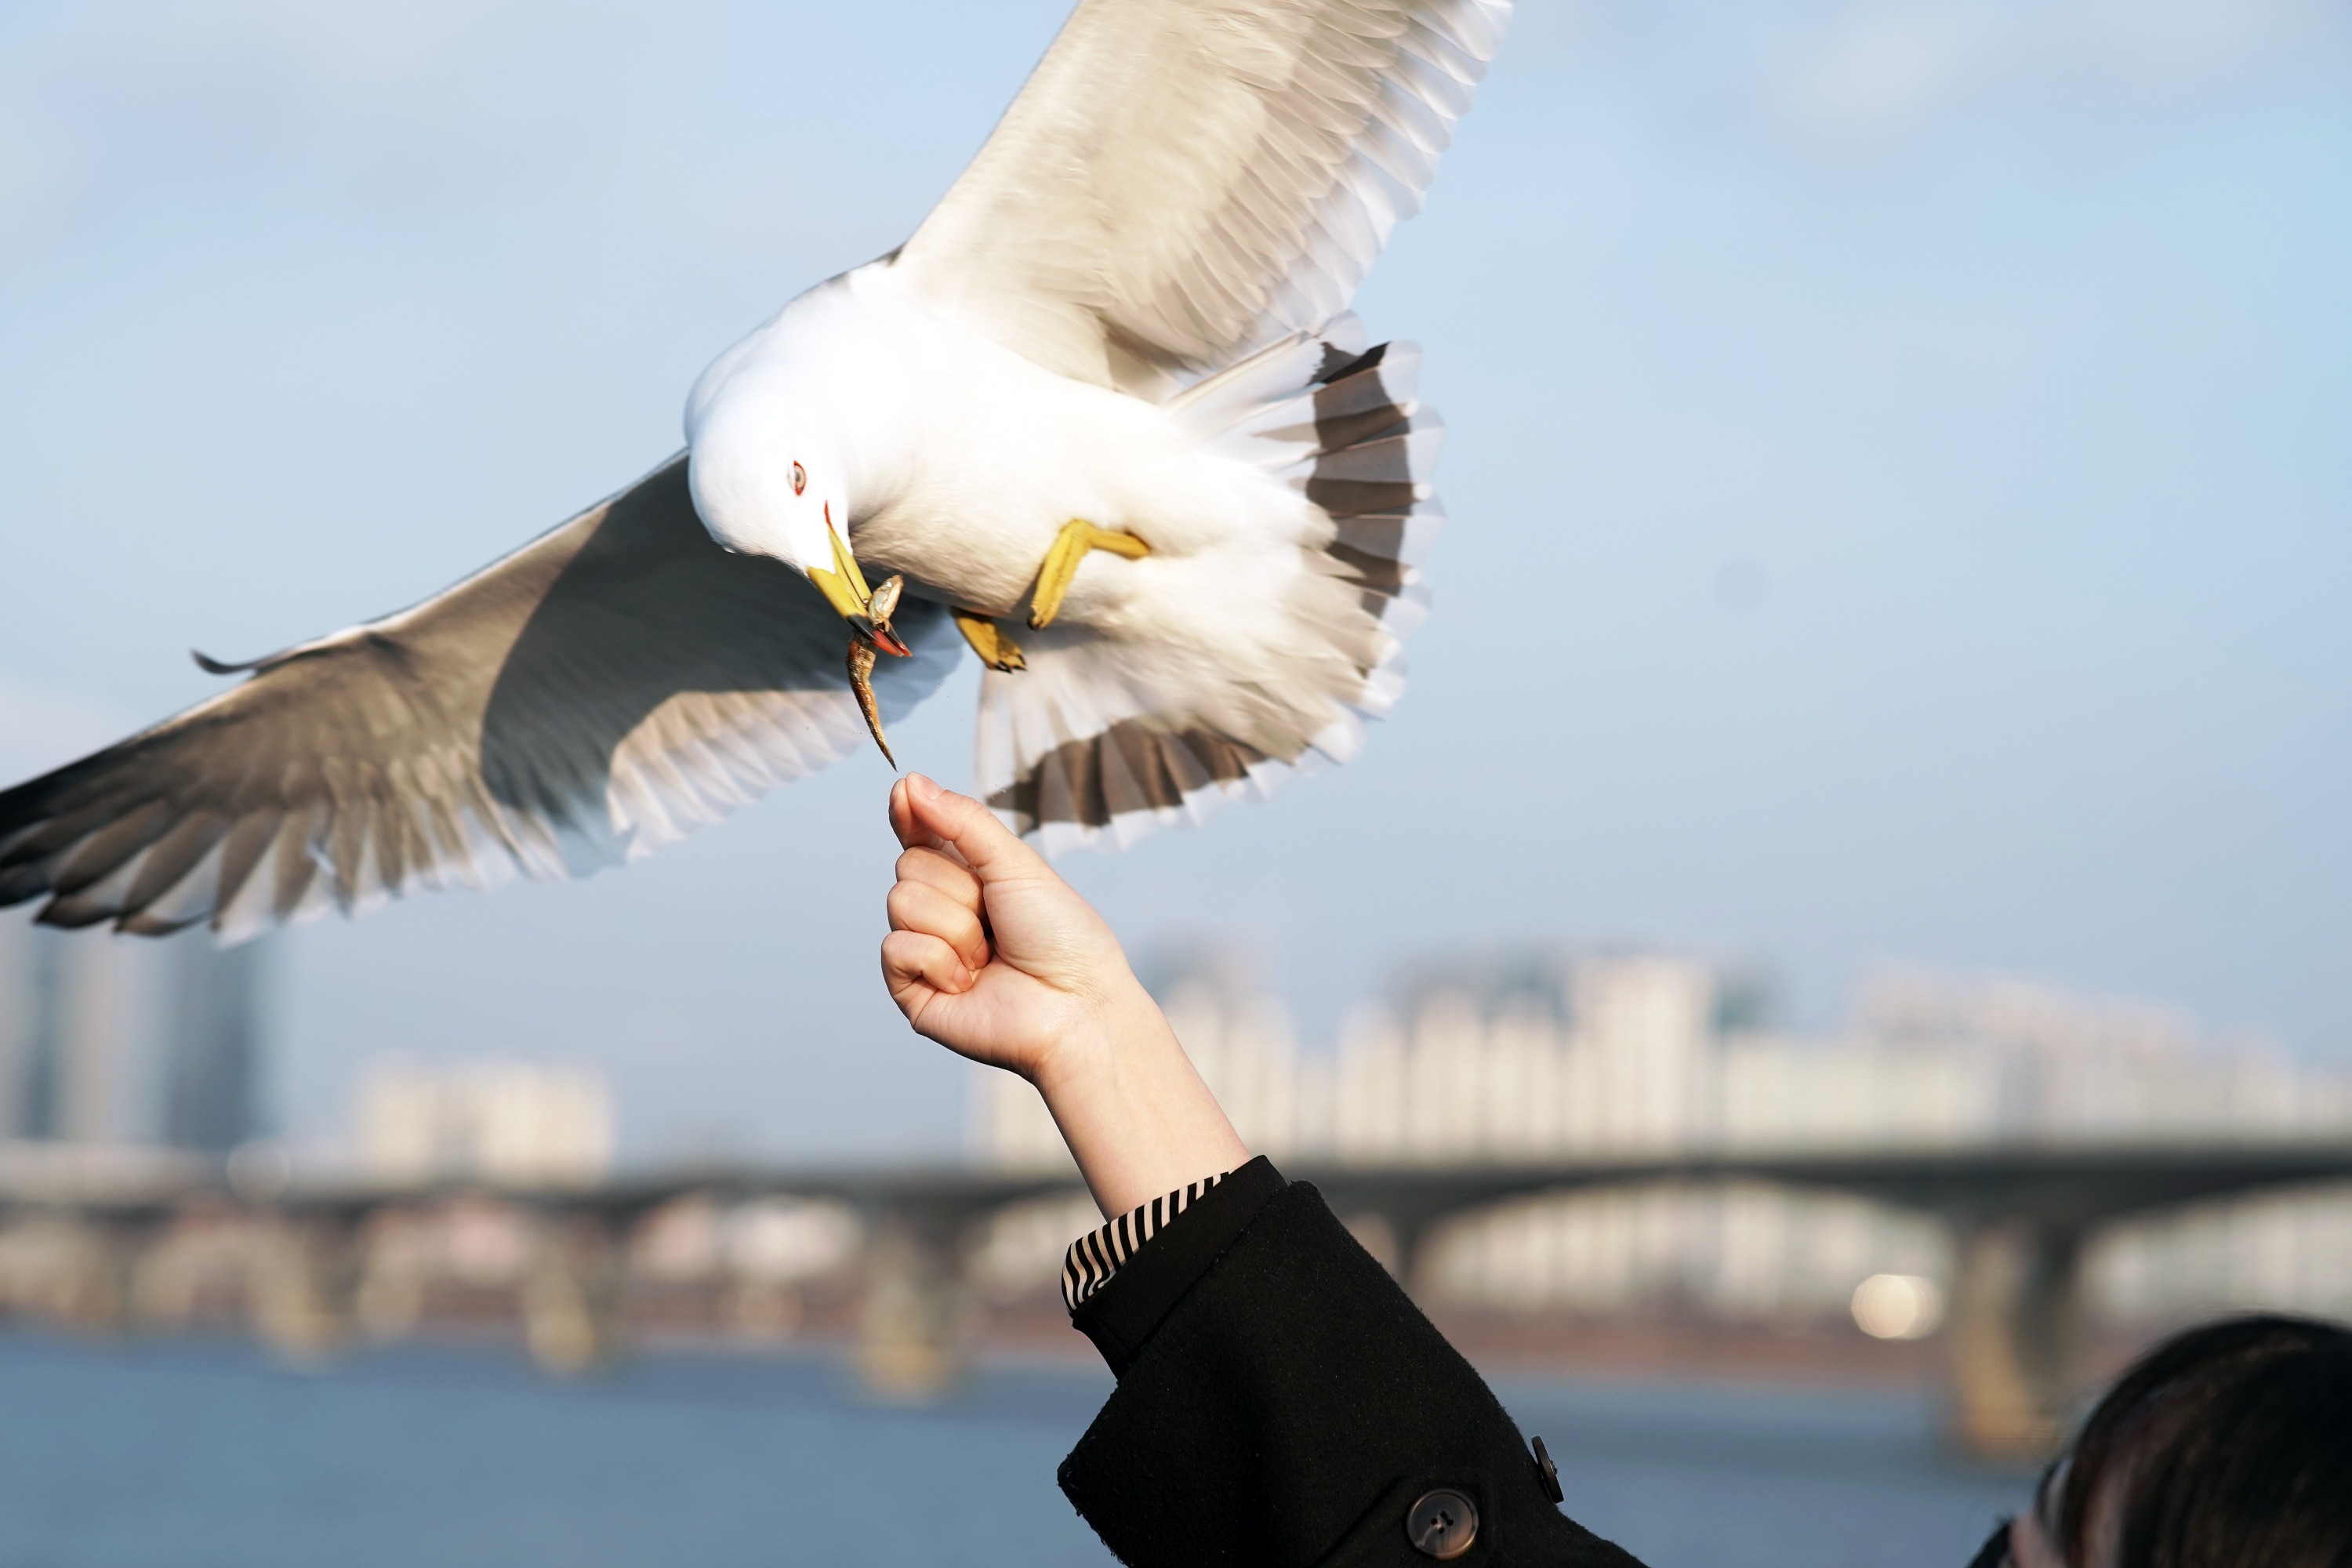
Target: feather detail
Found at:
1100, 742
1182, 181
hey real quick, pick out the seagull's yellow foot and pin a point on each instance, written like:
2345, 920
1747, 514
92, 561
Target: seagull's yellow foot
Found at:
988, 639
861, 680
1070, 547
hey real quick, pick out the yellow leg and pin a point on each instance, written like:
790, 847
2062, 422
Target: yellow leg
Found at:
1070, 547
995, 650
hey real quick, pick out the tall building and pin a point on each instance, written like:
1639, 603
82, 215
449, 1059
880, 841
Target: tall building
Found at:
43, 1050
76, 1017
108, 1039
212, 1045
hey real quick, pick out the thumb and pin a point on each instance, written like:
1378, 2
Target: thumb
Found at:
987, 846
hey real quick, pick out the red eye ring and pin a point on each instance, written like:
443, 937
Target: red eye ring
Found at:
799, 478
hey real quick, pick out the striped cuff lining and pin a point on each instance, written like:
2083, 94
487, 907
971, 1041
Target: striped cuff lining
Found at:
1095, 1256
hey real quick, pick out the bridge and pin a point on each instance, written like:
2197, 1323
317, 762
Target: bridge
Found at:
2019, 1216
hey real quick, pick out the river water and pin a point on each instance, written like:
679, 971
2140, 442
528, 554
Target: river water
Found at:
194, 1454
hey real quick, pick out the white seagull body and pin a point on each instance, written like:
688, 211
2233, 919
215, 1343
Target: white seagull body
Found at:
1102, 417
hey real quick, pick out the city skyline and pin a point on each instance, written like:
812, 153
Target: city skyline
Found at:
1520, 1058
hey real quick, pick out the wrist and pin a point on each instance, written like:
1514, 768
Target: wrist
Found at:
1137, 1117
1112, 1032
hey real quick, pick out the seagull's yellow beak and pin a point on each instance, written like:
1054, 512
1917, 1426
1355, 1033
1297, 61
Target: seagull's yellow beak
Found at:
844, 588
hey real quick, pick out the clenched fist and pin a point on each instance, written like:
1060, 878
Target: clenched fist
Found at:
996, 957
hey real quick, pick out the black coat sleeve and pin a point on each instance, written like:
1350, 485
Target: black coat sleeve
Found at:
1290, 1408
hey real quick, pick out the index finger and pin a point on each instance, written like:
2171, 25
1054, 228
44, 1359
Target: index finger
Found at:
912, 834
970, 830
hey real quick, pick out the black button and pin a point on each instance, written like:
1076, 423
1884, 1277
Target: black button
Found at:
1548, 1474
1442, 1524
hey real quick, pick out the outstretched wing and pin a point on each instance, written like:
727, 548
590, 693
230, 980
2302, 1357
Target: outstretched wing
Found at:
599, 692
1182, 181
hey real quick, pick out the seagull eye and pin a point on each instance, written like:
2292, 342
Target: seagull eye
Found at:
799, 478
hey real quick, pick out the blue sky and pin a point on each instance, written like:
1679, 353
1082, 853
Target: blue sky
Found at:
1899, 485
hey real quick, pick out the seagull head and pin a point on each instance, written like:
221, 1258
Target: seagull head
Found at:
760, 491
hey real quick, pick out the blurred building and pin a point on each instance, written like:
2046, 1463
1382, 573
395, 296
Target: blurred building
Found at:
106, 1039
1591, 1054
503, 1120
1009, 1126
212, 1045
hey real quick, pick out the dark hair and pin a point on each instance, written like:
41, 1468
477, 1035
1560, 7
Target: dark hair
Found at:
2226, 1447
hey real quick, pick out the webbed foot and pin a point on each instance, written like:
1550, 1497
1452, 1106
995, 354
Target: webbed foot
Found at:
1071, 546
987, 638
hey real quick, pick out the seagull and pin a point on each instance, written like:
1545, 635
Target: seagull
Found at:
1102, 423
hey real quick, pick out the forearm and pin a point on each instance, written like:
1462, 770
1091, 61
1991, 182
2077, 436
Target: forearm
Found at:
1135, 1114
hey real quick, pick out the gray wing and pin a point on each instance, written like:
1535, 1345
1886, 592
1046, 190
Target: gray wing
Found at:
1181, 180
600, 692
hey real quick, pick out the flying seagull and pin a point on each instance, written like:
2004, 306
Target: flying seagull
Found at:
1102, 420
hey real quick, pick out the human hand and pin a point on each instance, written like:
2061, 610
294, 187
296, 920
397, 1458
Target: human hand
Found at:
989, 953
998, 959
